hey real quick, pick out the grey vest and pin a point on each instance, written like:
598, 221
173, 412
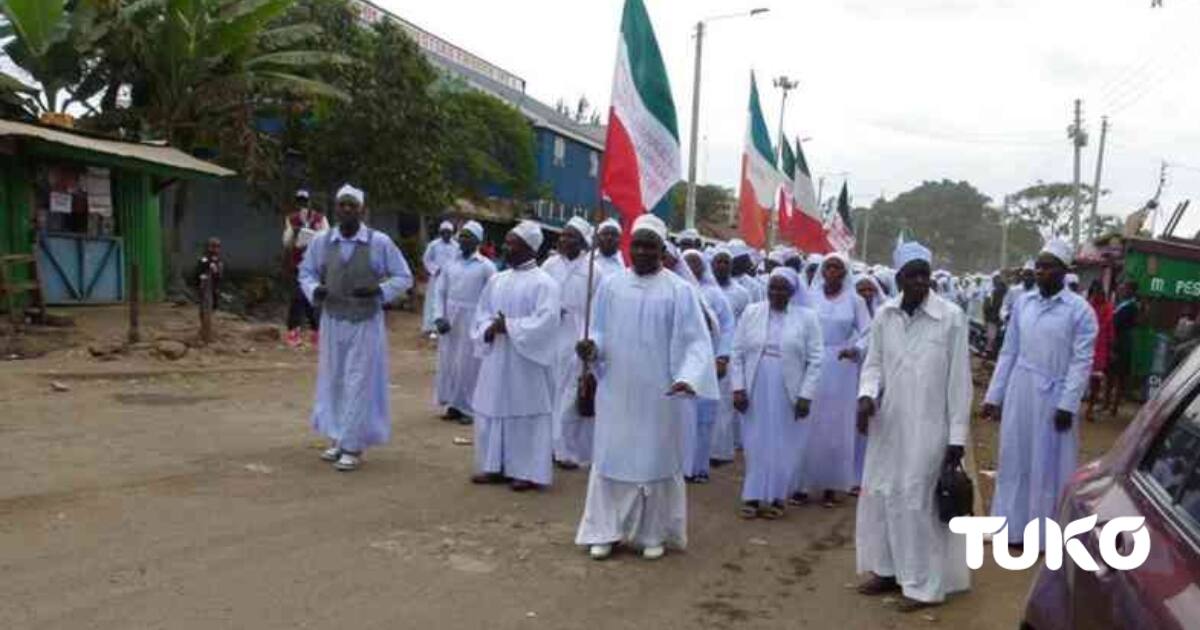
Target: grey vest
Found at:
341, 278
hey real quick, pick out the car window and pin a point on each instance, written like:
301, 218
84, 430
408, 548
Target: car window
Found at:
1171, 463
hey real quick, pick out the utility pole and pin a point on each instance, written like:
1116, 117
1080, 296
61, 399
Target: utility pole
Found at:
1004, 235
787, 85
1092, 225
689, 214
1079, 140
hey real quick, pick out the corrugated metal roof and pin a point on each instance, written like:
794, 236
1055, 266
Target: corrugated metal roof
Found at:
156, 154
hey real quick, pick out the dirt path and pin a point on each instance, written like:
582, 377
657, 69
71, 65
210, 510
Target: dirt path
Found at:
155, 499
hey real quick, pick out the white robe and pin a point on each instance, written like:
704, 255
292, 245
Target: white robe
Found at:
352, 407
776, 360
572, 434
514, 393
727, 429
650, 333
455, 298
438, 254
1044, 365
924, 363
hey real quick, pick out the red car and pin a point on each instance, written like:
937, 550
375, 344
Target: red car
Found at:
1152, 471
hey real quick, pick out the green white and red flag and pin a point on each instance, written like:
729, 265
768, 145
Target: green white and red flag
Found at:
641, 150
761, 181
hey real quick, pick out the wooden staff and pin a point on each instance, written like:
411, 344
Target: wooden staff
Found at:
585, 393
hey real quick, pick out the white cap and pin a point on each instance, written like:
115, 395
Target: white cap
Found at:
446, 225
690, 234
609, 223
584, 228
651, 223
474, 228
787, 273
353, 193
1060, 249
1071, 279
302, 192
530, 232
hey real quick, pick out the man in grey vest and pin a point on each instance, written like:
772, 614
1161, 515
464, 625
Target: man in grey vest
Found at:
351, 272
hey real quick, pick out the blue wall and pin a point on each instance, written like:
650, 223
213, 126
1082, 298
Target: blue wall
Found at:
571, 183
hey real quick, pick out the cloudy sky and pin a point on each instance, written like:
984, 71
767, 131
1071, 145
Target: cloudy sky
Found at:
894, 92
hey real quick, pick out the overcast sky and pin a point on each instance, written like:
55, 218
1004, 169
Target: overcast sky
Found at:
894, 92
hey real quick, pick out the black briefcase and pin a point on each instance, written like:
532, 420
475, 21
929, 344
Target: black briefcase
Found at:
955, 494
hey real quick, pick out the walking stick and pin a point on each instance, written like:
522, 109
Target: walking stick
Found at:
585, 393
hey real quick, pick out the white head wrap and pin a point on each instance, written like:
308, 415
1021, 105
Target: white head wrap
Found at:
446, 225
584, 228
474, 228
721, 250
787, 273
652, 224
1060, 249
909, 251
353, 193
814, 259
778, 256
530, 232
1028, 266
609, 223
737, 247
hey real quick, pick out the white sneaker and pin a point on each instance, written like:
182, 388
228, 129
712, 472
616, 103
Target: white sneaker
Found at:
600, 552
331, 454
654, 553
347, 463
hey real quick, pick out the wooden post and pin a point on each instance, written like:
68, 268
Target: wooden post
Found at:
206, 308
135, 299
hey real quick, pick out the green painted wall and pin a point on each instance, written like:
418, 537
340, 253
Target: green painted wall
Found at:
16, 231
137, 209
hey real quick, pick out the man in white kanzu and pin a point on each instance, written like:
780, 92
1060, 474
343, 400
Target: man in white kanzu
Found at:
440, 252
918, 353
608, 254
350, 272
572, 434
516, 333
650, 344
454, 302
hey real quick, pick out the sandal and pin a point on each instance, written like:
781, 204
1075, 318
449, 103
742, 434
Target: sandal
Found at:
772, 512
908, 605
749, 511
799, 499
878, 586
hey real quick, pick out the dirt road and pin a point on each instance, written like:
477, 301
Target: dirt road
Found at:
189, 495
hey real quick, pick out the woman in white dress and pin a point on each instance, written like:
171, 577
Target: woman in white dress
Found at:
774, 368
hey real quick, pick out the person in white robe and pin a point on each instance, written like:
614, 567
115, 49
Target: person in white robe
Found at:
698, 434
812, 265
1026, 284
608, 249
828, 464
743, 265
774, 370
1040, 378
350, 273
727, 427
570, 269
650, 345
871, 292
919, 352
516, 334
439, 253
454, 301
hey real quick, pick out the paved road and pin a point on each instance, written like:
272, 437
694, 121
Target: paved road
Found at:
151, 499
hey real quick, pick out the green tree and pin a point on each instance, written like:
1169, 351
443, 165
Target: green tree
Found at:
712, 203
1050, 205
488, 142
390, 138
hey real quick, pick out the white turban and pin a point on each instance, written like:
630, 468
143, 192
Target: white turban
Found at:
1059, 249
530, 232
909, 251
778, 256
690, 234
651, 223
737, 247
353, 193
1028, 266
584, 228
446, 225
474, 228
609, 223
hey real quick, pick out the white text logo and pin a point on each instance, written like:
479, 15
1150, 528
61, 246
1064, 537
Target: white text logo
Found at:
1122, 557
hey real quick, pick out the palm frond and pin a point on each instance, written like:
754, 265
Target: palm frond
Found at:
298, 59
300, 85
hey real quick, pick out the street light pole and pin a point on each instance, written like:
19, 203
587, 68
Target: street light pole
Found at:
690, 207
787, 85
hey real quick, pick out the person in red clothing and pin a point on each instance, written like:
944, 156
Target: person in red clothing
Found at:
298, 230
1104, 341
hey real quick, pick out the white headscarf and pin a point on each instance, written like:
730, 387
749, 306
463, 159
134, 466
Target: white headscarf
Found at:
351, 192
584, 228
530, 232
880, 295
706, 277
474, 228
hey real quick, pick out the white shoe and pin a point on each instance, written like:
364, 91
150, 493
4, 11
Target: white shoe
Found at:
654, 553
347, 463
331, 454
601, 552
